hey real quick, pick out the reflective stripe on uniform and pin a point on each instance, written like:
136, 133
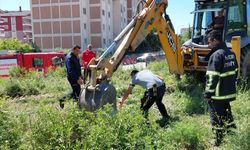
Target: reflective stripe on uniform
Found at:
223, 97
218, 128
209, 72
210, 91
208, 87
217, 89
229, 73
225, 74
230, 124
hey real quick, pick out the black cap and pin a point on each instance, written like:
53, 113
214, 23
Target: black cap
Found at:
133, 72
77, 46
215, 34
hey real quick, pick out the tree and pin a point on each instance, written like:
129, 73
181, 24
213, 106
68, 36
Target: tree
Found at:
35, 47
186, 36
150, 44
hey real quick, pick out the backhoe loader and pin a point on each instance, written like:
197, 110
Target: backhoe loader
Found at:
180, 59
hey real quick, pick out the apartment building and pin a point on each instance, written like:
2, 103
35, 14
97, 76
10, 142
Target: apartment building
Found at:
16, 24
57, 23
131, 9
101, 22
63, 23
119, 16
1, 27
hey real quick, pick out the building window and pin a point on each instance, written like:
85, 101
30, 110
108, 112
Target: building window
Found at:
109, 14
235, 18
37, 62
109, 28
85, 41
13, 28
6, 27
103, 12
103, 26
84, 11
13, 20
104, 41
85, 26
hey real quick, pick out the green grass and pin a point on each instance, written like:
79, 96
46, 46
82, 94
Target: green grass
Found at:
31, 118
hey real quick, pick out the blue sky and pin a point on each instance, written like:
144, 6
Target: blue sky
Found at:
178, 10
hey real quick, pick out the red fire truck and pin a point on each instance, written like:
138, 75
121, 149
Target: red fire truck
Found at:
39, 61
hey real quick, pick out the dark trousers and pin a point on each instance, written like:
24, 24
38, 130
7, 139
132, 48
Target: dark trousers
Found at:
221, 117
87, 74
149, 99
221, 114
76, 89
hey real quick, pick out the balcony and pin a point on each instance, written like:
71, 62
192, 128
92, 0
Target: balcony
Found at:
27, 19
27, 25
2, 20
27, 38
27, 30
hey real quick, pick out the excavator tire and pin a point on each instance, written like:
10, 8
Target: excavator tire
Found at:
245, 66
91, 100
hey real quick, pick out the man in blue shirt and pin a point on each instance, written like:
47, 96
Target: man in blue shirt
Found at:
74, 74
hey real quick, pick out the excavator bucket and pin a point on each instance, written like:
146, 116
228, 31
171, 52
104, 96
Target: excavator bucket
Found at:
104, 93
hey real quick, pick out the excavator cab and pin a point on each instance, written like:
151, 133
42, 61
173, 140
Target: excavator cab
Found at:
236, 16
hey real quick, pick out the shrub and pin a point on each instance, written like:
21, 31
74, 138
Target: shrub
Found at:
187, 134
14, 44
10, 135
18, 72
58, 72
14, 88
24, 86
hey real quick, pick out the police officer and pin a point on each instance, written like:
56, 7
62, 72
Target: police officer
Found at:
155, 89
74, 75
220, 86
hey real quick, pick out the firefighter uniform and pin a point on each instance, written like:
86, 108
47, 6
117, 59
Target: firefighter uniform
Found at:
221, 88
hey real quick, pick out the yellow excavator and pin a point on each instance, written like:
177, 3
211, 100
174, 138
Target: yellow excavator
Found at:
180, 58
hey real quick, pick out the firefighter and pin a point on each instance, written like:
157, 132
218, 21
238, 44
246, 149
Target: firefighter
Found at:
87, 56
155, 89
74, 75
220, 86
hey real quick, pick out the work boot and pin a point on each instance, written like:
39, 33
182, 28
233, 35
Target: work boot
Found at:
218, 138
163, 121
231, 129
61, 103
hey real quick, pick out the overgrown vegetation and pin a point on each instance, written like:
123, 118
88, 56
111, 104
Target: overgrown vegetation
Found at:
15, 44
31, 118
